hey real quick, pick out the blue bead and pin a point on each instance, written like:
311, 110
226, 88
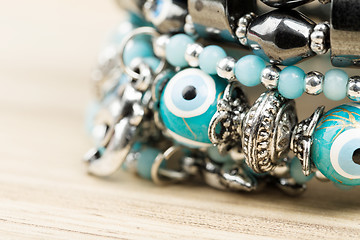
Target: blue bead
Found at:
248, 70
336, 144
145, 161
335, 84
137, 48
297, 173
153, 62
217, 157
291, 82
188, 103
175, 49
209, 58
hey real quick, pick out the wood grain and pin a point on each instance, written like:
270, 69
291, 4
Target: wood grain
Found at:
47, 50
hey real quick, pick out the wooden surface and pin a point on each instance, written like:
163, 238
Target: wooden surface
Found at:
47, 49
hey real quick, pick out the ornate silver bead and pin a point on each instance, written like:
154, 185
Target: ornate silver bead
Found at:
320, 38
270, 76
301, 139
189, 27
243, 24
314, 83
159, 45
192, 54
225, 68
266, 131
353, 88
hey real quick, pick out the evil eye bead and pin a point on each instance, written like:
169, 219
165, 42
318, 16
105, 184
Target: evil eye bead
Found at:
336, 144
187, 105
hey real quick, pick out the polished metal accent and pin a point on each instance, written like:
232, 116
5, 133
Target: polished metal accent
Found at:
192, 54
266, 131
242, 26
302, 138
270, 76
314, 83
285, 3
168, 16
353, 88
281, 36
159, 45
225, 126
189, 27
324, 1
225, 68
320, 38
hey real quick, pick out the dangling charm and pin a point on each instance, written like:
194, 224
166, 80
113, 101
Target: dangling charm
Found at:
266, 131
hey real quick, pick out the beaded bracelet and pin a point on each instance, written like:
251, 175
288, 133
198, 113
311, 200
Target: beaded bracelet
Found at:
222, 117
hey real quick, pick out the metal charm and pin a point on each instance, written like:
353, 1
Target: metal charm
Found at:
302, 138
225, 126
266, 131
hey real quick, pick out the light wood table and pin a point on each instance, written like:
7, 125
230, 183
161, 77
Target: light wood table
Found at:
47, 48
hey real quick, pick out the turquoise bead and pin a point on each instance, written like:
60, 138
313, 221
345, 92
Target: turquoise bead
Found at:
209, 58
153, 62
145, 161
335, 84
217, 157
291, 82
175, 49
297, 173
336, 144
137, 48
187, 104
248, 70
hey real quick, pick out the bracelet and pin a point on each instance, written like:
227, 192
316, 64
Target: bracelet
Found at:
146, 120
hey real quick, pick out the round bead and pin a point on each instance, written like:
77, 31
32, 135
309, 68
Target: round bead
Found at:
192, 54
270, 76
248, 70
217, 157
314, 83
335, 148
137, 48
225, 68
297, 173
175, 49
159, 45
353, 88
335, 84
145, 160
209, 58
291, 82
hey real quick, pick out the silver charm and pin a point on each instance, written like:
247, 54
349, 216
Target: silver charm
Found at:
225, 126
266, 131
353, 88
302, 138
314, 83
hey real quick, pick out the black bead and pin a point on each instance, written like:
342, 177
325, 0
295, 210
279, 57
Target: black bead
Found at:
285, 3
345, 15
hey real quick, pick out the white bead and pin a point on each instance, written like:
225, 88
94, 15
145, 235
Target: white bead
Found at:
314, 83
270, 76
225, 68
159, 45
192, 54
353, 88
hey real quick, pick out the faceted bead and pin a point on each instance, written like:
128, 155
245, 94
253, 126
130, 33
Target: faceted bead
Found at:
297, 173
291, 82
281, 36
248, 70
335, 149
285, 3
209, 58
175, 50
335, 84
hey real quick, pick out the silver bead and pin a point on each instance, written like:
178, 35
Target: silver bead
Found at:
320, 38
243, 24
353, 88
314, 83
192, 54
225, 68
270, 76
159, 45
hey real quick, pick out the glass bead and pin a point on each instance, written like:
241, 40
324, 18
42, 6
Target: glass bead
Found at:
209, 58
175, 50
335, 84
291, 82
248, 70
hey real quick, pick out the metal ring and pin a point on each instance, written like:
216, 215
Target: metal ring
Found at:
170, 175
138, 31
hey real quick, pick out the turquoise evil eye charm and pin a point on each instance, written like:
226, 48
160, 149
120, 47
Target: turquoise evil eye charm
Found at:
336, 144
187, 105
